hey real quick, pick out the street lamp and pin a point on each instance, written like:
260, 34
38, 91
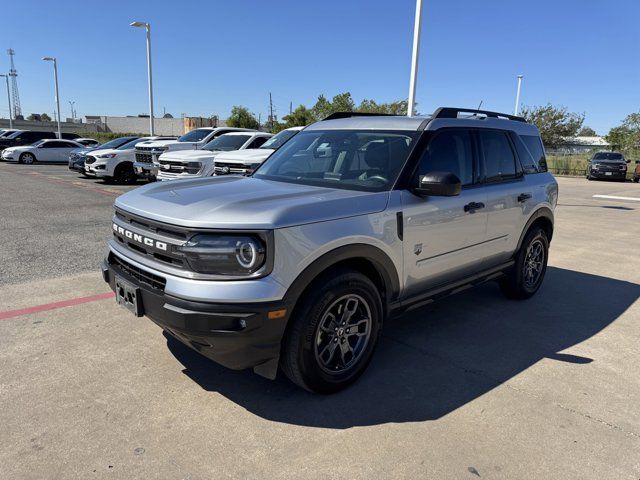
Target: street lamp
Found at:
517, 107
6, 77
147, 26
55, 75
414, 59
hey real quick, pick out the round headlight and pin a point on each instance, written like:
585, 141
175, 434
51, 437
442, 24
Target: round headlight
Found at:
247, 253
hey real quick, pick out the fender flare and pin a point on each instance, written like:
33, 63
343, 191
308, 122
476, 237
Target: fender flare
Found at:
375, 256
543, 212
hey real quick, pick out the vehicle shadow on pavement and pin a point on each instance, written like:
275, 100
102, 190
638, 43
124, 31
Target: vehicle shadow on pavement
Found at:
437, 358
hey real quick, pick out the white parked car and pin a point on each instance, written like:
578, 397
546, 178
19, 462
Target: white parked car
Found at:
244, 162
200, 163
115, 164
51, 150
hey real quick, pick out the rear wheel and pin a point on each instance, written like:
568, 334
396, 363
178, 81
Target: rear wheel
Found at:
525, 277
636, 179
124, 173
27, 158
333, 333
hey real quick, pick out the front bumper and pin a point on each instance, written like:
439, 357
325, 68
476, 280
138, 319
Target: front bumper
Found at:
609, 175
235, 335
145, 170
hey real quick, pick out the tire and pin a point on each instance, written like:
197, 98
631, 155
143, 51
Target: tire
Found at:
636, 179
27, 158
124, 174
323, 355
524, 280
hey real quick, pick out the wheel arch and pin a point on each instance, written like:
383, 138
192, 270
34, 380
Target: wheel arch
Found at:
543, 218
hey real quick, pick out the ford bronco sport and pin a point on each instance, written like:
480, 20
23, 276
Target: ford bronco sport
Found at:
356, 219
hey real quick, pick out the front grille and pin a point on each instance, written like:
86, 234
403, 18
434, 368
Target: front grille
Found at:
144, 157
154, 281
89, 160
224, 168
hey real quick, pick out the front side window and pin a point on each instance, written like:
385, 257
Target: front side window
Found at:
449, 151
349, 159
279, 139
194, 135
129, 145
54, 145
227, 143
499, 160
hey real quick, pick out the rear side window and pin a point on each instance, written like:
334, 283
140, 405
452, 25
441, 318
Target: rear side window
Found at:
449, 151
536, 149
499, 160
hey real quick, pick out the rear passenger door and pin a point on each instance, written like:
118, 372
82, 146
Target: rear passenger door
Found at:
507, 194
444, 236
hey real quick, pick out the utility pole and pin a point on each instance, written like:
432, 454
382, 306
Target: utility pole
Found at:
290, 108
55, 77
6, 77
517, 107
411, 104
13, 73
147, 27
73, 112
270, 113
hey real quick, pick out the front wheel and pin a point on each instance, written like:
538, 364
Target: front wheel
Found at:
124, 174
525, 277
27, 158
333, 333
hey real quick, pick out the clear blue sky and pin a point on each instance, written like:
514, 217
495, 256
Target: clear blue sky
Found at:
211, 55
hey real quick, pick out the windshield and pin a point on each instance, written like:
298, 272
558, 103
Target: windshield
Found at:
131, 144
116, 142
227, 142
607, 156
14, 134
279, 139
349, 159
6, 133
195, 135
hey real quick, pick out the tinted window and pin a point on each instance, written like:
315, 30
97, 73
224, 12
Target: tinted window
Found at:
535, 147
529, 165
194, 135
350, 159
608, 156
500, 162
257, 142
279, 139
130, 144
227, 142
449, 151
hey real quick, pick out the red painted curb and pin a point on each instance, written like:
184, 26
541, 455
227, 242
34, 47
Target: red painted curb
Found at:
52, 306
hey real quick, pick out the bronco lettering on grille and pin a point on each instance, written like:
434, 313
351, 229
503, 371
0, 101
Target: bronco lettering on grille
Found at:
136, 237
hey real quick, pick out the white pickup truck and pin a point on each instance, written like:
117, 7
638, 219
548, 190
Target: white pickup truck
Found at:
244, 162
146, 164
200, 163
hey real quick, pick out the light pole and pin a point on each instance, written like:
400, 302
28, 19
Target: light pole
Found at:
147, 26
6, 77
73, 112
414, 59
55, 75
517, 107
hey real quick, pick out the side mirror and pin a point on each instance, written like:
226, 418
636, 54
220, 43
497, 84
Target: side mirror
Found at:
439, 184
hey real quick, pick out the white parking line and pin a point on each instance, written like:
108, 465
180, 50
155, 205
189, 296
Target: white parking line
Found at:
614, 197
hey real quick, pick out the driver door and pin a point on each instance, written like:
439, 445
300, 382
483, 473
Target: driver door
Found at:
444, 236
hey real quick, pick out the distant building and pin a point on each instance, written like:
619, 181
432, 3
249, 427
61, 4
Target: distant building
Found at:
582, 145
140, 124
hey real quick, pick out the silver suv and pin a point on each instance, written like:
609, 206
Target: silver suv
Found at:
356, 219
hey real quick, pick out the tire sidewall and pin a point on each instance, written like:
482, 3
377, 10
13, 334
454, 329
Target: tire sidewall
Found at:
313, 376
533, 235
27, 155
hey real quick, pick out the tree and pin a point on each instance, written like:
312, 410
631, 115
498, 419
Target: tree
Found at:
34, 117
342, 102
587, 132
399, 107
300, 117
241, 117
556, 123
45, 118
626, 137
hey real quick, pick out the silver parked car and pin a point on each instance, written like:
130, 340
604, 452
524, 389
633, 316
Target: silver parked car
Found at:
354, 220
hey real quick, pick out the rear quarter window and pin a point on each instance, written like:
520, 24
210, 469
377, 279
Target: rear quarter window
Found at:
533, 143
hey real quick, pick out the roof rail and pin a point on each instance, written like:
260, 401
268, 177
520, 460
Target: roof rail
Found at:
451, 112
337, 115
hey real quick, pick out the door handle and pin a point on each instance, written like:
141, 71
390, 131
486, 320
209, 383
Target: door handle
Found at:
473, 206
524, 197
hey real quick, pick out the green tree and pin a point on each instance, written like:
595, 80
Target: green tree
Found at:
34, 117
45, 118
342, 102
587, 132
626, 137
300, 117
556, 123
241, 117
399, 107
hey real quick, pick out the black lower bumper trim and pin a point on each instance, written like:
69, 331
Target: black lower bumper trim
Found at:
237, 336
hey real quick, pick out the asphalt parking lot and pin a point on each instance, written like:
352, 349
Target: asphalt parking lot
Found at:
474, 386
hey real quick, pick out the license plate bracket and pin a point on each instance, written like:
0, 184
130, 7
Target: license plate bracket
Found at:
608, 173
128, 295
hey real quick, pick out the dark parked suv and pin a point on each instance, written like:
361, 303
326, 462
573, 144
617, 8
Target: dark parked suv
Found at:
27, 137
607, 165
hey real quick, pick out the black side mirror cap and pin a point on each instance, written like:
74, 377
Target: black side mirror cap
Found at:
439, 184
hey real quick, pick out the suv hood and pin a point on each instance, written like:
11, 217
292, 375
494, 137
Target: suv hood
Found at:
188, 155
250, 155
235, 202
